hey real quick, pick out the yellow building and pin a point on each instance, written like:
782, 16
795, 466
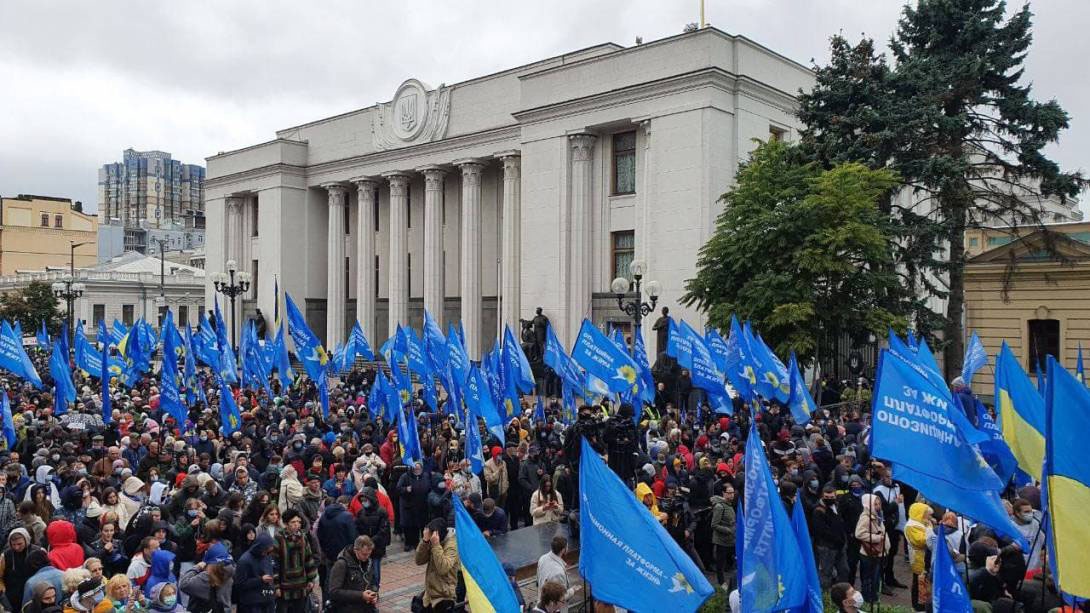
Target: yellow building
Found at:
36, 232
1015, 291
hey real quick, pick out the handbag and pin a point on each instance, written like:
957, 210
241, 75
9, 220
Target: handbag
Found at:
417, 605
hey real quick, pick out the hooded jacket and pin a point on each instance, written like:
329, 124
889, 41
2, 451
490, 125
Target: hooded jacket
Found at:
336, 530
291, 491
643, 491
14, 569
373, 521
870, 529
44, 476
161, 563
64, 552
252, 566
916, 533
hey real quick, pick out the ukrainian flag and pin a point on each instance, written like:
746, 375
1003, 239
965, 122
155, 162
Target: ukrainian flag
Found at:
487, 587
1067, 479
1021, 413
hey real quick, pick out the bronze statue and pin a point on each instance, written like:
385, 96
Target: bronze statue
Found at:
662, 330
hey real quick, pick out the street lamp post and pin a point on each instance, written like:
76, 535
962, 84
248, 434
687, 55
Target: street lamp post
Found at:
68, 290
161, 299
225, 284
635, 307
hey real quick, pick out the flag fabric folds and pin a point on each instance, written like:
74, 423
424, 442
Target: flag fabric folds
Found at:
1067, 479
170, 399
410, 441
948, 592
480, 403
558, 360
487, 587
9, 421
625, 553
517, 366
65, 392
14, 358
801, 402
1021, 412
104, 379
601, 358
813, 602
230, 418
772, 574
43, 337
975, 359
913, 428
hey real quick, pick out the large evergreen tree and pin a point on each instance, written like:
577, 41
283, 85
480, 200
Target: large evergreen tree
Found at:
32, 305
798, 251
954, 119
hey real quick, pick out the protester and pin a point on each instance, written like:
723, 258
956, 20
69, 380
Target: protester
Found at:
351, 585
438, 551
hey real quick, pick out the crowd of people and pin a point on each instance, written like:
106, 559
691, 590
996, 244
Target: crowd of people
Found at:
295, 512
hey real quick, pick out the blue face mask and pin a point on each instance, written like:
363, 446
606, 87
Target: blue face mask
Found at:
192, 512
170, 601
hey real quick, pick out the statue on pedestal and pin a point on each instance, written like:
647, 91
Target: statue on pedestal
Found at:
534, 334
662, 331
260, 324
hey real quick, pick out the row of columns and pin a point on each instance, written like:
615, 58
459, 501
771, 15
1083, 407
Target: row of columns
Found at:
470, 235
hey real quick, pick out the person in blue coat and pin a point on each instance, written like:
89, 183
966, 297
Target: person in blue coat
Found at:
336, 530
255, 577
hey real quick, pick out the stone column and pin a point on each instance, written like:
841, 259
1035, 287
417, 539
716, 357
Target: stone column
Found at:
582, 207
336, 298
471, 254
399, 249
433, 241
511, 264
233, 237
365, 256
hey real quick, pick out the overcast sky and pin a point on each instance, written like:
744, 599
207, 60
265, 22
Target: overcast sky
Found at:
81, 81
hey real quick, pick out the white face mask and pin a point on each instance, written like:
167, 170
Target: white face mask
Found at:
857, 597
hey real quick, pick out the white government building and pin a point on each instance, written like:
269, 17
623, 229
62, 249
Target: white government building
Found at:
484, 199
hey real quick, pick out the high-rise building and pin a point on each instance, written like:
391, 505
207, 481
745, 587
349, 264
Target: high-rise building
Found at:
149, 193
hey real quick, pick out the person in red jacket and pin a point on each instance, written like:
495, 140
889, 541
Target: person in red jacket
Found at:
383, 500
390, 449
64, 552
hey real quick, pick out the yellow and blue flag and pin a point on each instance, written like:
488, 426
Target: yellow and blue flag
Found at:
1021, 413
487, 587
307, 347
603, 359
625, 553
230, 418
1067, 480
736, 362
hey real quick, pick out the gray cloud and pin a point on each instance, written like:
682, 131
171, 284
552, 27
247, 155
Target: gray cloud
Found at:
84, 80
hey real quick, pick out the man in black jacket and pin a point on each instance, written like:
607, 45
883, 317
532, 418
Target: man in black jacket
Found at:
351, 586
828, 532
372, 522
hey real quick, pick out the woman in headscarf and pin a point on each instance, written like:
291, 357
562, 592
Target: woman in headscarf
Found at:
44, 476
918, 530
873, 546
291, 491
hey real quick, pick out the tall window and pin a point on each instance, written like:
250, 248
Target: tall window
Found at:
127, 311
1044, 340
58, 221
45, 220
98, 313
183, 314
253, 279
624, 163
624, 249
374, 211
254, 207
347, 218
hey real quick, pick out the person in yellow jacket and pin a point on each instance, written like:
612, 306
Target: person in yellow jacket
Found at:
647, 497
917, 530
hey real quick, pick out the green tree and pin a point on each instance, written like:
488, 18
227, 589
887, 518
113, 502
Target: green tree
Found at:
799, 251
953, 119
30, 306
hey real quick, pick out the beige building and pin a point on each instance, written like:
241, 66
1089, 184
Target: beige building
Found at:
1015, 291
37, 232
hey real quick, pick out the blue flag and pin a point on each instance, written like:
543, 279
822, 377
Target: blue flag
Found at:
170, 399
360, 344
679, 345
104, 379
435, 344
376, 398
479, 401
518, 367
539, 410
813, 603
474, 448
975, 359
1067, 480
43, 337
226, 364
625, 553
307, 348
801, 402
604, 360
913, 428
487, 586
14, 358
1040, 378
457, 359
771, 375
9, 421
994, 449
719, 348
558, 360
948, 592
410, 441
62, 378
773, 575
737, 363
283, 364
230, 418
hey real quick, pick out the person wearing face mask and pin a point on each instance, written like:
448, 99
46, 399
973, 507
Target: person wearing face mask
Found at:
850, 507
1030, 526
723, 524
846, 598
465, 482
372, 521
828, 533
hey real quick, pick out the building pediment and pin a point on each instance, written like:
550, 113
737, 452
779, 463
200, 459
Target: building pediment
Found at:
1039, 246
414, 115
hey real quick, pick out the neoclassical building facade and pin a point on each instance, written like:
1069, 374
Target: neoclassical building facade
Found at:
482, 200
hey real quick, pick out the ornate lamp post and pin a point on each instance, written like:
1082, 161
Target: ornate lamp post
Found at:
69, 289
225, 284
635, 307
